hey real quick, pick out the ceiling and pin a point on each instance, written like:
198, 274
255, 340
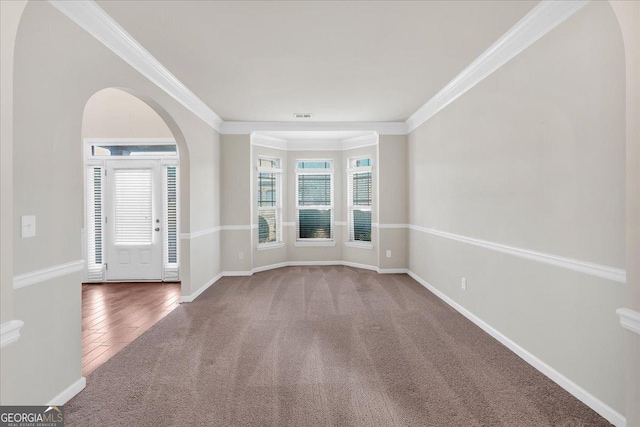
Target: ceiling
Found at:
340, 61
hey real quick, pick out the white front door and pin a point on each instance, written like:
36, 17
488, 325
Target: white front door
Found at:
134, 220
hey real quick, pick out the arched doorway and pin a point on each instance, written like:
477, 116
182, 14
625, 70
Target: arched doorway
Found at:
131, 235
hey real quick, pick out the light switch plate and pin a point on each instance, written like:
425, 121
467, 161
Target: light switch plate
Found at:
28, 226
388, 254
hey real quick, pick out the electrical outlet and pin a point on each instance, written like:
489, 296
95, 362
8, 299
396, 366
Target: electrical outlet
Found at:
388, 254
463, 283
241, 255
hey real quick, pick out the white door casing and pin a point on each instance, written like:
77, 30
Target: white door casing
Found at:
134, 220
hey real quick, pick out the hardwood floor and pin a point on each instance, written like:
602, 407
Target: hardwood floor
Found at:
115, 314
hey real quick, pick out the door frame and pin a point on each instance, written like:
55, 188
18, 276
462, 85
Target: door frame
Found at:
157, 221
101, 161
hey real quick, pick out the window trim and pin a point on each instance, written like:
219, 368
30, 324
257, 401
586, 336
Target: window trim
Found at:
330, 241
279, 242
350, 206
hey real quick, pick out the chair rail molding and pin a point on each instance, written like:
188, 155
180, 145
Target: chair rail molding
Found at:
10, 332
629, 319
603, 271
31, 278
543, 18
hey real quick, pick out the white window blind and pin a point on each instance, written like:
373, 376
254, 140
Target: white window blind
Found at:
359, 200
269, 201
314, 204
95, 271
133, 206
171, 223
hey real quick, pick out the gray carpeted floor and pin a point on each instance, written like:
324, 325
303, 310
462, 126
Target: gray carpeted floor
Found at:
306, 346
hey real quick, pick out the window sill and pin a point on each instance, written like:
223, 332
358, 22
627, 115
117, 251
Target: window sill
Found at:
360, 245
267, 246
315, 243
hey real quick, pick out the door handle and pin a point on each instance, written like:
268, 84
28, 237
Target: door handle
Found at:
157, 228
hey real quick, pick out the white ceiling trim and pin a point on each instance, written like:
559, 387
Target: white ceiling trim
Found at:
382, 128
543, 18
539, 21
269, 141
93, 19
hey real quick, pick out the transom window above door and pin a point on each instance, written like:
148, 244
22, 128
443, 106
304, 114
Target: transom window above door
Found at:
135, 149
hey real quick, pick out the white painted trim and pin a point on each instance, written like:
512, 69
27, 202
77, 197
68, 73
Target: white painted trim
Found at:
68, 393
359, 245
392, 225
311, 243
196, 294
340, 223
268, 246
130, 141
597, 270
393, 271
382, 128
268, 141
539, 21
288, 224
629, 319
88, 15
236, 273
243, 273
10, 332
200, 233
49, 273
314, 263
581, 394
269, 267
238, 227
196, 234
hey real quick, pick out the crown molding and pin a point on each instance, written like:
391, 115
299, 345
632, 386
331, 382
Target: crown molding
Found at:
94, 20
543, 18
539, 21
382, 128
269, 141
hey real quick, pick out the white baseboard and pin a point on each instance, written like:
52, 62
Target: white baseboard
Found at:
320, 263
189, 298
393, 270
581, 394
236, 273
269, 267
68, 393
241, 273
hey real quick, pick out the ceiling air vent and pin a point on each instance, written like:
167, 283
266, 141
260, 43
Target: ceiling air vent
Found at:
301, 115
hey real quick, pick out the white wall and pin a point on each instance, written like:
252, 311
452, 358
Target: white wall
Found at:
10, 13
239, 207
394, 204
58, 67
628, 14
113, 113
533, 157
